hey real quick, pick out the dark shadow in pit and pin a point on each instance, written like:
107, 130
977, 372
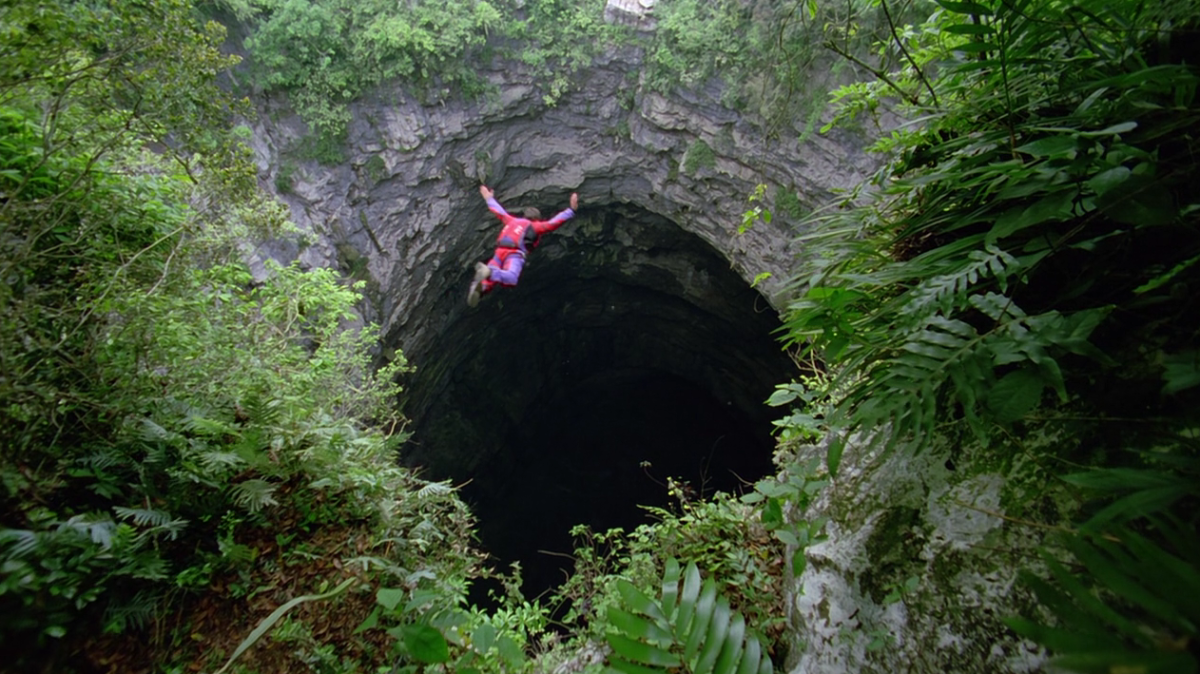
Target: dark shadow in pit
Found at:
595, 454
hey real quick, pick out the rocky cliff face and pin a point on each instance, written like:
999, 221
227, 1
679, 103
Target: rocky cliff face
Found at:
650, 280
637, 335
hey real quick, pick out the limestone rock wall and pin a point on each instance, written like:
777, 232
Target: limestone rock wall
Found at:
404, 211
917, 569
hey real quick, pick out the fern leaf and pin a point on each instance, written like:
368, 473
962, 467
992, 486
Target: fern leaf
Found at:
670, 586
95, 527
731, 652
209, 427
704, 612
214, 461
135, 612
254, 494
22, 541
690, 629
434, 490
143, 517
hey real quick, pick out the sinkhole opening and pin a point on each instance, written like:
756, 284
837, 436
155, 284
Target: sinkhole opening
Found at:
596, 454
629, 353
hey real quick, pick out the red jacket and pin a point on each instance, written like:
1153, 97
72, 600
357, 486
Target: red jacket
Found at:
515, 229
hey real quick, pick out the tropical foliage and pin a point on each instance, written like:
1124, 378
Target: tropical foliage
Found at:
1023, 266
690, 628
181, 440
327, 54
770, 57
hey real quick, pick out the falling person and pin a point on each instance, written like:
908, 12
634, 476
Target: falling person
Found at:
509, 258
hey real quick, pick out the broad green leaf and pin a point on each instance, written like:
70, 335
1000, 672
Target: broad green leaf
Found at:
799, 563
787, 537
833, 456
389, 598
511, 652
670, 586
1124, 479
687, 598
750, 657
714, 641
705, 607
1106, 572
1052, 207
425, 643
965, 7
1088, 601
635, 599
969, 29
772, 514
483, 638
638, 628
782, 396
773, 488
1050, 146
975, 48
1181, 371
1113, 130
1106, 181
1015, 395
765, 666
1058, 639
731, 653
1163, 279
370, 623
1106, 661
1140, 200
1171, 574
1139, 504
640, 652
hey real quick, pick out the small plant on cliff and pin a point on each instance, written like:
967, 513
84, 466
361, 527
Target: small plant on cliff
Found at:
699, 155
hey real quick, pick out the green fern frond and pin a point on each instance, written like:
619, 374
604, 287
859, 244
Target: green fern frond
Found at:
262, 411
136, 612
22, 542
949, 292
215, 461
254, 494
97, 528
153, 433
434, 490
209, 427
143, 517
691, 629
1144, 618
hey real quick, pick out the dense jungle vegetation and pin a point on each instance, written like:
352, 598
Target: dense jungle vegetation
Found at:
199, 466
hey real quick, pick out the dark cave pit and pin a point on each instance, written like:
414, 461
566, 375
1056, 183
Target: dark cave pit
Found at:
629, 353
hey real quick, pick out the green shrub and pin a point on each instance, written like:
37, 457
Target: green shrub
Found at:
699, 155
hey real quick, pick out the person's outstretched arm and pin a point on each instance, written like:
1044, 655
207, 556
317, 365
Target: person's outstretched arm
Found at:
554, 223
490, 197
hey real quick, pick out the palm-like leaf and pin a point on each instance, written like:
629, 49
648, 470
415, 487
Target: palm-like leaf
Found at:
689, 629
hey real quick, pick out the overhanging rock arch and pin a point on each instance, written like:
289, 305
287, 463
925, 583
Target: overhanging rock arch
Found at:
649, 288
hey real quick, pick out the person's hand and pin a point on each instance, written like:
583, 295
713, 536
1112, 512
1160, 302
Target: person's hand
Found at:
574, 201
485, 192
